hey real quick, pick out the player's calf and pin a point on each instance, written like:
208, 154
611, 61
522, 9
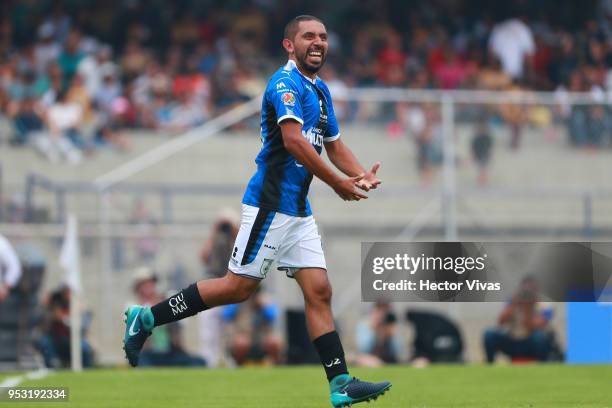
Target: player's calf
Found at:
141, 320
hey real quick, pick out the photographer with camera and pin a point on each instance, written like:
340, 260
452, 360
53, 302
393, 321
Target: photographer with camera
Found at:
523, 331
214, 256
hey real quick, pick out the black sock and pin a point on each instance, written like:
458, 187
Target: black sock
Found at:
331, 354
184, 304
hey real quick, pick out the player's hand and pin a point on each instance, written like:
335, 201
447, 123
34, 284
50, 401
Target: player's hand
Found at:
369, 180
346, 189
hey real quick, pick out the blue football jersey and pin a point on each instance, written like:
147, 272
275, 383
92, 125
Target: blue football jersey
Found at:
281, 183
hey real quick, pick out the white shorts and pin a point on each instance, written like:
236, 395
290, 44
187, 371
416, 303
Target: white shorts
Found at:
266, 237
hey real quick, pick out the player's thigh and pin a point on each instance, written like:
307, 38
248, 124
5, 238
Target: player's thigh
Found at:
258, 242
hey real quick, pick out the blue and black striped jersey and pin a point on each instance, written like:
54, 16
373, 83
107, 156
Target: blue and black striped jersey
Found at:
281, 183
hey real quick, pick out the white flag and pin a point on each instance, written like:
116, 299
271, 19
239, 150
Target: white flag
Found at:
69, 258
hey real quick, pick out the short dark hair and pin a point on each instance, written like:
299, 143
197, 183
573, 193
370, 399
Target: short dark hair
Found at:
291, 28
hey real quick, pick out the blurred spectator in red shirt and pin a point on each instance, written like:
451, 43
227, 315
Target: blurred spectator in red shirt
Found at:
391, 61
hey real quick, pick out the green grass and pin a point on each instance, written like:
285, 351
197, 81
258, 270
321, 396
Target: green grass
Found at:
441, 386
6, 374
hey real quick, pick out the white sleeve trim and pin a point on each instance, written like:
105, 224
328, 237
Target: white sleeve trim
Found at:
331, 138
290, 117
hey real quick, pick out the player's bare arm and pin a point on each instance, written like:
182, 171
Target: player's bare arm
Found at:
343, 158
306, 155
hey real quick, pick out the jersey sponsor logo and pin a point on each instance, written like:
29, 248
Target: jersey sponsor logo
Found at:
280, 85
288, 99
314, 136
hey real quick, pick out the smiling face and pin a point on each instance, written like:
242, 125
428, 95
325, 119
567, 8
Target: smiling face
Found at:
308, 48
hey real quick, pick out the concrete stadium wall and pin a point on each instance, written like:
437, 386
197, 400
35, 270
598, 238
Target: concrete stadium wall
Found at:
229, 160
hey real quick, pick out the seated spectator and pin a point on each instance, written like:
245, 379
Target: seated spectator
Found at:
214, 256
185, 114
64, 138
228, 93
113, 111
93, 68
422, 121
436, 339
578, 123
523, 329
491, 76
452, 71
160, 111
28, 123
250, 328
377, 339
54, 343
46, 50
55, 87
78, 93
134, 59
515, 115
165, 346
71, 56
391, 61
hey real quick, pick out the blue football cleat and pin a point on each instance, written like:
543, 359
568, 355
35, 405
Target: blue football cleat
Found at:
138, 326
347, 390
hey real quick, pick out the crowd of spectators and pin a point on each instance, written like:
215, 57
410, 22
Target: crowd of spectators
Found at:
73, 75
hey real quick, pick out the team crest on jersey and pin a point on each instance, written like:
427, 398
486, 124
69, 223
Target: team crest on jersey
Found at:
288, 99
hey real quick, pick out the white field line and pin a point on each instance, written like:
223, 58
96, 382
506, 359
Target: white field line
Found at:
14, 381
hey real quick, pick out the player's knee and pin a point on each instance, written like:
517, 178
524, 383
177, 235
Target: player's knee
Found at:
242, 342
322, 292
244, 291
240, 287
272, 344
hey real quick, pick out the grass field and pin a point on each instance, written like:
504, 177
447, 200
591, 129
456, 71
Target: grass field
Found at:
440, 386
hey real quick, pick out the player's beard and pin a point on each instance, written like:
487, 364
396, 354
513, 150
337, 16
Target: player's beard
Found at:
302, 60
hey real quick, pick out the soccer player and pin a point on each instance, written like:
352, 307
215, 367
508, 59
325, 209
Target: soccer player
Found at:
297, 121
